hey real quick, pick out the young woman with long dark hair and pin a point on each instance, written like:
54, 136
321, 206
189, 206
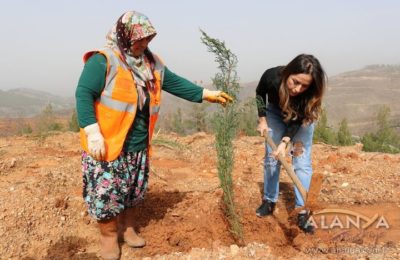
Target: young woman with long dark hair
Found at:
289, 100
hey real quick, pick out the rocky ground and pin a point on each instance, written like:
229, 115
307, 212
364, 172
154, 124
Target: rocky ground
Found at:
42, 214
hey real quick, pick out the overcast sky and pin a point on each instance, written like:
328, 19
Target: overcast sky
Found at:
42, 41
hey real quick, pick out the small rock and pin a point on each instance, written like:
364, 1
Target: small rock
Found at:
251, 252
345, 184
13, 162
234, 250
174, 241
12, 189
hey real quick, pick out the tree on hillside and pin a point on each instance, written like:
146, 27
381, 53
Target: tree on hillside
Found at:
177, 124
197, 118
385, 139
47, 120
323, 133
344, 135
248, 117
73, 123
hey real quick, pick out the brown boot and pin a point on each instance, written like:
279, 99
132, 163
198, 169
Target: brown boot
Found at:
109, 247
126, 220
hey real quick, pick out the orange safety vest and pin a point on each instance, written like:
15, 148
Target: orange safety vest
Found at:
116, 107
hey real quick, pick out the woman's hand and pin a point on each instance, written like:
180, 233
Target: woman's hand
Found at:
95, 141
280, 149
216, 96
262, 126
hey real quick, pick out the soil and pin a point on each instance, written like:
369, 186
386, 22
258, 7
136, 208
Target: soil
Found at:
43, 216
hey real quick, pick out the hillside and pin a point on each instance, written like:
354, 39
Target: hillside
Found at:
358, 95
355, 95
24, 102
43, 215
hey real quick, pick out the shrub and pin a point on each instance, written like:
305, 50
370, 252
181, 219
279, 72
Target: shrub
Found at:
248, 117
177, 125
344, 135
324, 133
385, 139
197, 118
73, 123
47, 120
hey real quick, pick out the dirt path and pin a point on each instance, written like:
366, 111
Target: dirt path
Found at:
42, 214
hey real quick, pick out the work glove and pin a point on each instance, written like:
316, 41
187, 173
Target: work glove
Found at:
262, 126
95, 141
216, 96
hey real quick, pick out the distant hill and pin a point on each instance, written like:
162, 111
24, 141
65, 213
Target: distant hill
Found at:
358, 95
24, 102
355, 95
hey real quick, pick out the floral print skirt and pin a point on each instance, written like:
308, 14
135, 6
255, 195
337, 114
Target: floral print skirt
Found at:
111, 187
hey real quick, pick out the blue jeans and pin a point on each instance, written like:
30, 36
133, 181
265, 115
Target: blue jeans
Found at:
301, 156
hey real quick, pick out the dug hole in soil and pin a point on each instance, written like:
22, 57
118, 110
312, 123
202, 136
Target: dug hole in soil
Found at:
43, 216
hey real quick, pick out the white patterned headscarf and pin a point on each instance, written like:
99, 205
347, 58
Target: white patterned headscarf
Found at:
130, 27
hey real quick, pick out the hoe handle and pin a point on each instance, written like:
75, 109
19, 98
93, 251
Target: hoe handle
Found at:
287, 167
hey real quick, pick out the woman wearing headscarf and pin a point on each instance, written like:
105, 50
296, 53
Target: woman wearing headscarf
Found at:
118, 98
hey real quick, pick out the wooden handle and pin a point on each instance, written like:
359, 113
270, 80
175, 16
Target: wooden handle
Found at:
287, 167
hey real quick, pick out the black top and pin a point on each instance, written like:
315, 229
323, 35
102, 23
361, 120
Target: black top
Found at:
268, 88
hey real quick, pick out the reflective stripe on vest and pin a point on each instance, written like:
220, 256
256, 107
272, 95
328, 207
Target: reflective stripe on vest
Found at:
154, 110
118, 105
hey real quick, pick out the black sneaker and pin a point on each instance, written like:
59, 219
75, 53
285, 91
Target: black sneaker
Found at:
265, 209
304, 224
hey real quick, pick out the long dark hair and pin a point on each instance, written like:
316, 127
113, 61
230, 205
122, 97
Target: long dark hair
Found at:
307, 104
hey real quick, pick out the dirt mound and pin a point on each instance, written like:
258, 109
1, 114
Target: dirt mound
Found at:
42, 214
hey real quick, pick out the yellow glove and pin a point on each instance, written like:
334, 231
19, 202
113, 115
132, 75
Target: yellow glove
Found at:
216, 96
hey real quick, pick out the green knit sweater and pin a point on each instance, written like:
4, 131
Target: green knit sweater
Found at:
91, 84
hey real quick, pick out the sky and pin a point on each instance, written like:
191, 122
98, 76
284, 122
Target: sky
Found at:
42, 41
